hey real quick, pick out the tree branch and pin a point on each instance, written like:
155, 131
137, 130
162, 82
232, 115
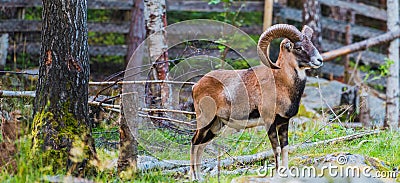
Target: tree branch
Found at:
17, 94
362, 45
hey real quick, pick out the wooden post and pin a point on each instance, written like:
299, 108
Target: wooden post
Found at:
268, 7
127, 159
392, 89
364, 115
3, 50
347, 57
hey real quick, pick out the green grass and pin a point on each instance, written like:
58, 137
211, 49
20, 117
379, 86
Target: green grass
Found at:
384, 147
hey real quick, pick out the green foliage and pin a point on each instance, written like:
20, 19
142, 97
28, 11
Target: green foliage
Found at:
101, 15
33, 13
384, 68
242, 19
96, 38
238, 63
27, 169
303, 112
382, 71
21, 61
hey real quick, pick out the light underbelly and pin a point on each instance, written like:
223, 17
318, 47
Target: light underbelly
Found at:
243, 124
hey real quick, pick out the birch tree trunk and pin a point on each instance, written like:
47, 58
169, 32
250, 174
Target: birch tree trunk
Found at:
268, 9
61, 127
3, 50
392, 90
311, 17
155, 21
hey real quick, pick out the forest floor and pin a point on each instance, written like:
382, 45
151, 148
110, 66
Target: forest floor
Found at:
311, 125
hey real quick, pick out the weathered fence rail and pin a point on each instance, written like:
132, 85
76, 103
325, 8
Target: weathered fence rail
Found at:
92, 4
14, 25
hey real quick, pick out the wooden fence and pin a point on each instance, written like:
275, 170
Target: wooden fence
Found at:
18, 26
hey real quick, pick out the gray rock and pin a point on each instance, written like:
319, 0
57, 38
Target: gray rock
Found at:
331, 92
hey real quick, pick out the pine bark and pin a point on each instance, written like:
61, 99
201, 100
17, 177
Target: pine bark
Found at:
61, 129
137, 30
311, 17
392, 89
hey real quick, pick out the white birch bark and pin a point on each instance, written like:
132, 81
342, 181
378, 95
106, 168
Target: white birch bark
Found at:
392, 89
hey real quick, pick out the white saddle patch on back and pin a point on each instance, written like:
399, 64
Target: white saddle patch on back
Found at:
243, 124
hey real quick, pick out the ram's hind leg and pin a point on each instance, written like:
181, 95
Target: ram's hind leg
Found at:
199, 142
196, 151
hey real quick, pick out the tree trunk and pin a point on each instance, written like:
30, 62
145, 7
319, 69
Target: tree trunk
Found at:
61, 127
364, 106
3, 50
137, 29
155, 20
392, 90
268, 9
347, 57
311, 17
127, 159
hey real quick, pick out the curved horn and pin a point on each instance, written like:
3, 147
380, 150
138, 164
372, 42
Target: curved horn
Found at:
273, 32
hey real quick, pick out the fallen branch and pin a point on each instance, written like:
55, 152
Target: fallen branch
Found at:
15, 72
335, 140
62, 178
362, 45
114, 108
150, 163
139, 82
94, 103
165, 110
168, 119
17, 94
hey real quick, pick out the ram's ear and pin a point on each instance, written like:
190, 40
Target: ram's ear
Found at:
307, 31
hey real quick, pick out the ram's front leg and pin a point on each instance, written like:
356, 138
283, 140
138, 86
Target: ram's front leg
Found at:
273, 138
283, 141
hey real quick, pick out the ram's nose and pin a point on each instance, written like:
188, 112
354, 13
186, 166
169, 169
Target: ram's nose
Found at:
317, 61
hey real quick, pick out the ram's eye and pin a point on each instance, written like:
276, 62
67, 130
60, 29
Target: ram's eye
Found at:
298, 49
